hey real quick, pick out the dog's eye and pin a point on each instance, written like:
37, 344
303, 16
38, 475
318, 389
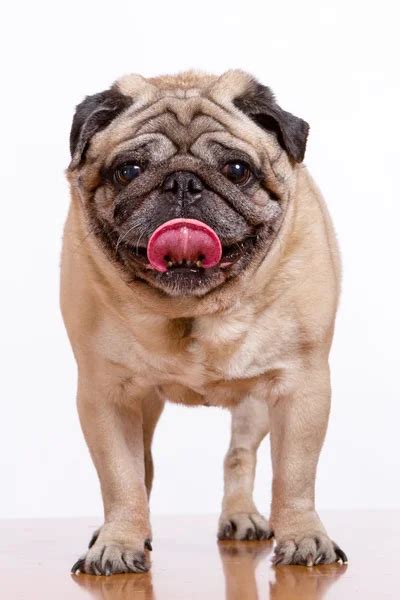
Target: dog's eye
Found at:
127, 173
237, 172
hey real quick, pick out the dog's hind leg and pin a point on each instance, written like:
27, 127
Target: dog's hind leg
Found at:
240, 518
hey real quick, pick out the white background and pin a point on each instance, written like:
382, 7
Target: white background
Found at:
334, 64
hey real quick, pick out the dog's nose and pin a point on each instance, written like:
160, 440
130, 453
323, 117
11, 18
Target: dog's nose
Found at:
184, 185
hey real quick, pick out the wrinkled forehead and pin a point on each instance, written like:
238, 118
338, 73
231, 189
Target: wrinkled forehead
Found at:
190, 118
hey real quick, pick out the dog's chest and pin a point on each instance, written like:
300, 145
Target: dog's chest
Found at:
214, 359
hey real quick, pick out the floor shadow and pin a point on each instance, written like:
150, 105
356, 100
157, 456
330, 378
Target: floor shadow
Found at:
117, 587
304, 583
240, 561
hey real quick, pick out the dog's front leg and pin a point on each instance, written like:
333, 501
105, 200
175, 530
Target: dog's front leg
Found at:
299, 417
113, 427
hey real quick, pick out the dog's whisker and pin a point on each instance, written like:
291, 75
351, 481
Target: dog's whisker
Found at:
138, 242
122, 237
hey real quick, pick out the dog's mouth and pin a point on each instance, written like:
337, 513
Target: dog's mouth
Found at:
183, 243
188, 246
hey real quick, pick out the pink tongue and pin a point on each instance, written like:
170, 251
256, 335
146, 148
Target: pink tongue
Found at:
184, 240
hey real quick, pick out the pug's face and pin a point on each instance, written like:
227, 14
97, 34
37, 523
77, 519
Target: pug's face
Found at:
191, 150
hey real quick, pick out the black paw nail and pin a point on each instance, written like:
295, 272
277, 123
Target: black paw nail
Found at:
78, 566
226, 533
309, 562
250, 534
93, 539
340, 554
140, 566
270, 534
277, 559
108, 568
261, 535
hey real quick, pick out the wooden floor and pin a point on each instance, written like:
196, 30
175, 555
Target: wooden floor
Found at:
188, 563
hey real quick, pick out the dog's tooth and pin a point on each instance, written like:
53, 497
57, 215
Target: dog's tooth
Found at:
189, 263
199, 263
170, 263
180, 262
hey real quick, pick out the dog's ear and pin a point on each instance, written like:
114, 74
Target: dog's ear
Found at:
258, 103
93, 114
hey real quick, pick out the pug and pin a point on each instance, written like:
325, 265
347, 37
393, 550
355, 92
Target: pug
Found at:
200, 267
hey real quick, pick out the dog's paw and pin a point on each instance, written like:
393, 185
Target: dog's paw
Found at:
111, 559
243, 526
309, 549
108, 554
